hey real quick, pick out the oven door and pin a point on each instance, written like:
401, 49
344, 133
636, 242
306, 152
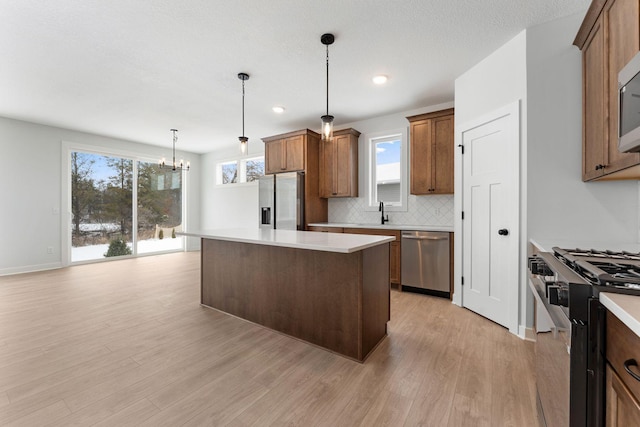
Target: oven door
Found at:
553, 359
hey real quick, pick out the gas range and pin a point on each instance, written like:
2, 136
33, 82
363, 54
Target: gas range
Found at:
574, 275
608, 271
570, 328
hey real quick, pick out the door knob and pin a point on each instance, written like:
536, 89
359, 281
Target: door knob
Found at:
503, 232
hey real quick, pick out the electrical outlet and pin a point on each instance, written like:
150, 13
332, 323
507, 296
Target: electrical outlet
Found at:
50, 250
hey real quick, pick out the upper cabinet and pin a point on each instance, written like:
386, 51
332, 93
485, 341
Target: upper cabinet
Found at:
285, 153
339, 165
609, 38
431, 152
299, 151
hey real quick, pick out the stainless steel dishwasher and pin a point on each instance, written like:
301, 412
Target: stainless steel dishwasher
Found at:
425, 261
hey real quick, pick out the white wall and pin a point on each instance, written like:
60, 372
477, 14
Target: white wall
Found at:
560, 206
31, 186
497, 81
231, 205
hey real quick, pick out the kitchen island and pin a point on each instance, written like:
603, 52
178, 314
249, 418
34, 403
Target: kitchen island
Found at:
331, 290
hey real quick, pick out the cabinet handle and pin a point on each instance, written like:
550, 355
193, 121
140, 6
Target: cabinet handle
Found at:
627, 367
598, 167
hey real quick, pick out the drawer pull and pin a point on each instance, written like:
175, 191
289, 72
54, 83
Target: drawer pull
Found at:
627, 364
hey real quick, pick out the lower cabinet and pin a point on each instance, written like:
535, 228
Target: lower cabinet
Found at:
623, 374
622, 407
394, 247
394, 263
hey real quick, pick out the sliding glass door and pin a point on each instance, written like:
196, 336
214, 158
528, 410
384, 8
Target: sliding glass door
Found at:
109, 219
159, 208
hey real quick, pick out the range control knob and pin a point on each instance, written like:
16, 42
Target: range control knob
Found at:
539, 267
558, 296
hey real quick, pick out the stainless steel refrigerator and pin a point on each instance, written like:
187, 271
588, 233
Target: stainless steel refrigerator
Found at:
281, 201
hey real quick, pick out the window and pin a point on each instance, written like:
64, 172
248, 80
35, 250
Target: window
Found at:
121, 206
101, 206
254, 169
229, 172
159, 210
237, 171
386, 169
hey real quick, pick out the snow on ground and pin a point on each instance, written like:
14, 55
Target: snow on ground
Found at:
86, 253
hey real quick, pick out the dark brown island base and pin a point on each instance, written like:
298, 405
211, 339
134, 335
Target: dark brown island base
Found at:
328, 289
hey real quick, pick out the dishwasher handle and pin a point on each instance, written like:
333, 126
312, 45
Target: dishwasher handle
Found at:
424, 238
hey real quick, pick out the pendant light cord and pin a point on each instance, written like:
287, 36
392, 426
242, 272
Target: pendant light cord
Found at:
242, 107
327, 80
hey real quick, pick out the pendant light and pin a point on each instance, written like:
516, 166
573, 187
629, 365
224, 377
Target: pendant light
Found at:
244, 141
327, 119
174, 166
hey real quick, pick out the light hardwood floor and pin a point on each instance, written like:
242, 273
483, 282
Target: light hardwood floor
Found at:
127, 343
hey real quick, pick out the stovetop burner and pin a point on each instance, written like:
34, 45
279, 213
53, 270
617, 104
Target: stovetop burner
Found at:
620, 270
594, 253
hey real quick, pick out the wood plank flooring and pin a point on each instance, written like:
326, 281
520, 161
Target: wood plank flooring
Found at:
127, 343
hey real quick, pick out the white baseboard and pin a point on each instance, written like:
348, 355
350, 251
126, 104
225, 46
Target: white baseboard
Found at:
30, 268
527, 334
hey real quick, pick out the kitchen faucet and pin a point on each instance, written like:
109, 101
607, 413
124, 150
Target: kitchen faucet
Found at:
381, 209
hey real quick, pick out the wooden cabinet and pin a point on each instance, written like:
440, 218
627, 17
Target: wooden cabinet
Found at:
609, 38
339, 165
622, 408
394, 249
594, 108
285, 155
299, 151
431, 152
394, 263
326, 229
622, 389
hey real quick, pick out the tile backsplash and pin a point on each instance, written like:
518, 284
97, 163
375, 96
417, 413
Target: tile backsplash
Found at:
422, 210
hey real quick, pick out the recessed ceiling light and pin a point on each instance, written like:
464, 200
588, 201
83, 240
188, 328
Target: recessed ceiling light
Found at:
278, 109
380, 79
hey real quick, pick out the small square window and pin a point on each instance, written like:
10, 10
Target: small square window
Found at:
240, 171
254, 169
229, 172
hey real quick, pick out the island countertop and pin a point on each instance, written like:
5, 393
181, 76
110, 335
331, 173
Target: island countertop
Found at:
328, 242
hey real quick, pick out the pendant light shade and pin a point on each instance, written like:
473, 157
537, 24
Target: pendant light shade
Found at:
244, 141
327, 119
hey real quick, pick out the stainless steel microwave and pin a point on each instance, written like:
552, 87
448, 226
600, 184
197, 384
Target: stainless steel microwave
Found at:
629, 106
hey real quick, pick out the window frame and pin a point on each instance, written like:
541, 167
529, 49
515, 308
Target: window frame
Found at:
370, 170
241, 164
67, 148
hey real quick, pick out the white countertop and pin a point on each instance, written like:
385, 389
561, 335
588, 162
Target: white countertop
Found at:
624, 307
447, 228
546, 245
328, 242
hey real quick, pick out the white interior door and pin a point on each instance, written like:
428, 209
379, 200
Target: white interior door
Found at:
490, 203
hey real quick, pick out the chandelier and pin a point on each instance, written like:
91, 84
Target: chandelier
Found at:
174, 166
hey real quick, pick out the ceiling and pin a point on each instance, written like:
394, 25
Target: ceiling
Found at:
133, 69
